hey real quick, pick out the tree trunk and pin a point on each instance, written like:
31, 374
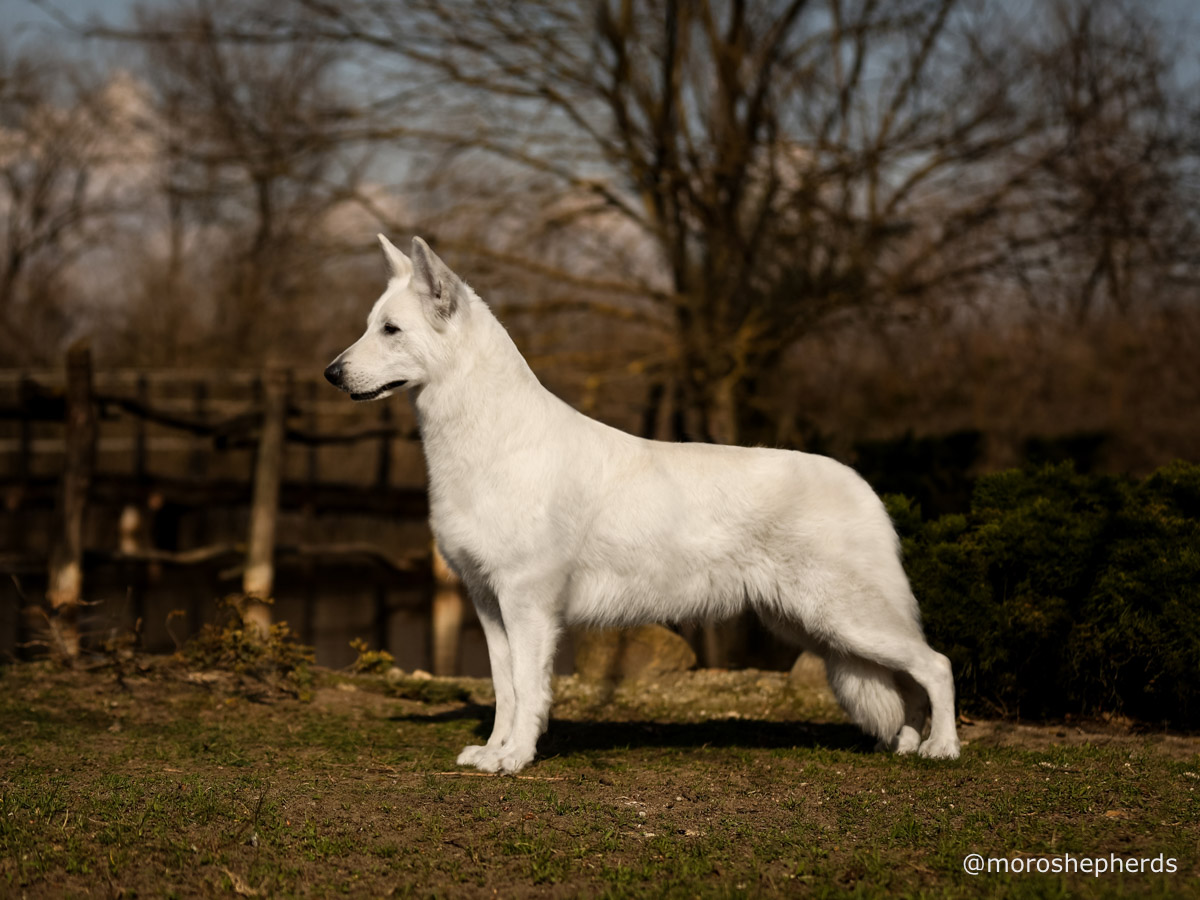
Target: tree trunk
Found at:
722, 412
66, 559
259, 576
447, 616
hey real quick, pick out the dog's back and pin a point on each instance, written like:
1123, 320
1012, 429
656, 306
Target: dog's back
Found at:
697, 532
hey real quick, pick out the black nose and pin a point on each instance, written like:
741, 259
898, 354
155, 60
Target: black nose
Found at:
333, 374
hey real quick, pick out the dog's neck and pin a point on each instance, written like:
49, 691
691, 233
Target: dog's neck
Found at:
471, 406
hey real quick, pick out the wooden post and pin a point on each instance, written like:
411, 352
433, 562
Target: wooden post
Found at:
383, 612
447, 616
383, 474
259, 575
14, 536
716, 653
308, 630
313, 424
139, 434
198, 462
25, 392
66, 558
129, 541
201, 446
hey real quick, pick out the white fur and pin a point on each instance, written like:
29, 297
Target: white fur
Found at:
552, 518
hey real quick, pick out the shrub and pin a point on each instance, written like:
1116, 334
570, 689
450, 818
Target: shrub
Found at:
260, 664
368, 661
1061, 593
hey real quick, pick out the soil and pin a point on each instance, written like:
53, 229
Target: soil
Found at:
149, 778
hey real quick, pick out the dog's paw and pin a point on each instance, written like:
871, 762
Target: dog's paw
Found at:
940, 748
470, 754
513, 759
907, 740
504, 759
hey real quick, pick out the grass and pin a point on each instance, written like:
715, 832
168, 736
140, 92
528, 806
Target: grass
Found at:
163, 787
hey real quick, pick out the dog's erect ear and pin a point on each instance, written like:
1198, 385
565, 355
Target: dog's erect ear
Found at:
440, 289
400, 264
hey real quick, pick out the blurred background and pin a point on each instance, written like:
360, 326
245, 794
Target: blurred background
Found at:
931, 238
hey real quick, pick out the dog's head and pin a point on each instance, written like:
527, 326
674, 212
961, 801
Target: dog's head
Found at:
407, 338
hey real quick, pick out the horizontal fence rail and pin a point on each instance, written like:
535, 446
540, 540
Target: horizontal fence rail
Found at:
252, 443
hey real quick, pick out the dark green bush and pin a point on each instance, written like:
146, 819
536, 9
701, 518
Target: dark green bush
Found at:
1061, 593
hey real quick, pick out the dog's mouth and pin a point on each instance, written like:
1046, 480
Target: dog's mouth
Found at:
379, 391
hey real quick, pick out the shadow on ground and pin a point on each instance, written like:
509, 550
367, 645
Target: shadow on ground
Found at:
566, 737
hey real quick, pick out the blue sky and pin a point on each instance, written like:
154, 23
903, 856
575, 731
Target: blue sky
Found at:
25, 21
24, 16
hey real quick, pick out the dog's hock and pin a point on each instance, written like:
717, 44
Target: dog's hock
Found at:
441, 286
400, 265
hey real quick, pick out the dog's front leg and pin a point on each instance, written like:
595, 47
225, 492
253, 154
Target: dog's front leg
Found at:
532, 627
500, 659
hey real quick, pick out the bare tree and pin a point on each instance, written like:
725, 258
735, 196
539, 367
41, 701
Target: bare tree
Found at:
788, 161
50, 148
1117, 185
726, 176
254, 162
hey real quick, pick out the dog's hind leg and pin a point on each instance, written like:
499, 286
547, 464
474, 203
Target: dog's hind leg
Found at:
885, 634
868, 693
916, 711
500, 659
931, 671
532, 628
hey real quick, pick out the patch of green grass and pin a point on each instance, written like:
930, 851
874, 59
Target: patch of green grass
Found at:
357, 793
434, 691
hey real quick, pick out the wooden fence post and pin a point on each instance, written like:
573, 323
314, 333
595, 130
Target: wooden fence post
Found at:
447, 616
66, 558
201, 446
139, 434
25, 393
383, 473
308, 570
259, 575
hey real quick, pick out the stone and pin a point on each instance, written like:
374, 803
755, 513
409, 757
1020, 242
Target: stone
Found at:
617, 654
808, 676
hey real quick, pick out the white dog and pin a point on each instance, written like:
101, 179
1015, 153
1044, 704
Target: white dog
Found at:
551, 518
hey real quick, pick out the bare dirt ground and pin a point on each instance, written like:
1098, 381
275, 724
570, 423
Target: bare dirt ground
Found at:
171, 782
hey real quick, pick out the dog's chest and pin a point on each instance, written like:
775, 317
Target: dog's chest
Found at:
487, 519
457, 525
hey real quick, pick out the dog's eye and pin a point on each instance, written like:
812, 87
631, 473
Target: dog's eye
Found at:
391, 329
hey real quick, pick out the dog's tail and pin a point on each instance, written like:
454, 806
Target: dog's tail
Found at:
869, 694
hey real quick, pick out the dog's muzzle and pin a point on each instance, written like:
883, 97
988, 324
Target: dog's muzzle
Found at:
335, 376
379, 391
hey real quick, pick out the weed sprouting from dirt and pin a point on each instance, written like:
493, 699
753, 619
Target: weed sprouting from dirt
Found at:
419, 686
370, 662
261, 664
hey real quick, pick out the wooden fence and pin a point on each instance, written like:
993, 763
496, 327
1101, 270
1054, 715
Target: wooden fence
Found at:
228, 451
